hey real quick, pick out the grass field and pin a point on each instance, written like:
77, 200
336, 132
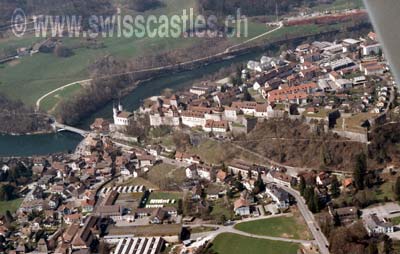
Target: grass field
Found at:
11, 205
48, 72
51, 101
228, 243
288, 227
395, 220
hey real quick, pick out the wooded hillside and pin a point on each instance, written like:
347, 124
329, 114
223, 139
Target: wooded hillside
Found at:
15, 117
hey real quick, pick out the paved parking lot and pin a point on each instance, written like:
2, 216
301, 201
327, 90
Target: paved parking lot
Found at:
389, 210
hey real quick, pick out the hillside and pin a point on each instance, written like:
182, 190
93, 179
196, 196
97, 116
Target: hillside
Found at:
293, 143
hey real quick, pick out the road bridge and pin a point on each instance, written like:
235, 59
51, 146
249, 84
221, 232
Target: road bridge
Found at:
62, 127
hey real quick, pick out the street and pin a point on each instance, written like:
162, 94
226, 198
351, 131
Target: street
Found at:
319, 237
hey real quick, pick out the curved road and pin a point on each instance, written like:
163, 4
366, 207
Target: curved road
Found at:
82, 82
230, 229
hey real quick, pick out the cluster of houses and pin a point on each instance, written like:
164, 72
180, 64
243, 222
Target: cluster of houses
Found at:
69, 192
319, 79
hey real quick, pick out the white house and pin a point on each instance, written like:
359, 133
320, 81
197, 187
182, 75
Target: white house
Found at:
121, 117
278, 195
375, 226
193, 119
242, 207
216, 126
371, 49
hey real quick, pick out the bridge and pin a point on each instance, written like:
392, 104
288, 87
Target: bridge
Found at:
62, 127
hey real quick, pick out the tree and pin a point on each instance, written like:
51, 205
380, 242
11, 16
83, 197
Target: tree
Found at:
316, 204
239, 176
335, 188
7, 192
302, 185
336, 220
387, 245
360, 171
8, 217
372, 248
259, 185
397, 188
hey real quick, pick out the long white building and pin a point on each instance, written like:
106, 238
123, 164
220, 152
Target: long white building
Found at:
139, 245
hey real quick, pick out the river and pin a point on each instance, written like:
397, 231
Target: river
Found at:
64, 142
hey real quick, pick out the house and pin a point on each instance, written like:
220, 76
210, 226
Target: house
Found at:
323, 179
345, 214
347, 182
242, 207
158, 216
121, 117
74, 218
100, 124
279, 177
377, 70
371, 48
295, 94
216, 126
146, 160
376, 226
200, 90
86, 234
202, 171
109, 211
213, 192
239, 166
193, 118
231, 114
278, 195
221, 176
88, 205
189, 158
70, 232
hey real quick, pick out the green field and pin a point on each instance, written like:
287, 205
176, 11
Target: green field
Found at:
11, 205
49, 103
288, 227
32, 76
228, 243
395, 220
166, 195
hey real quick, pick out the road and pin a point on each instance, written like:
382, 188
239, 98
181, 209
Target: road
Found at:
280, 25
319, 237
82, 82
